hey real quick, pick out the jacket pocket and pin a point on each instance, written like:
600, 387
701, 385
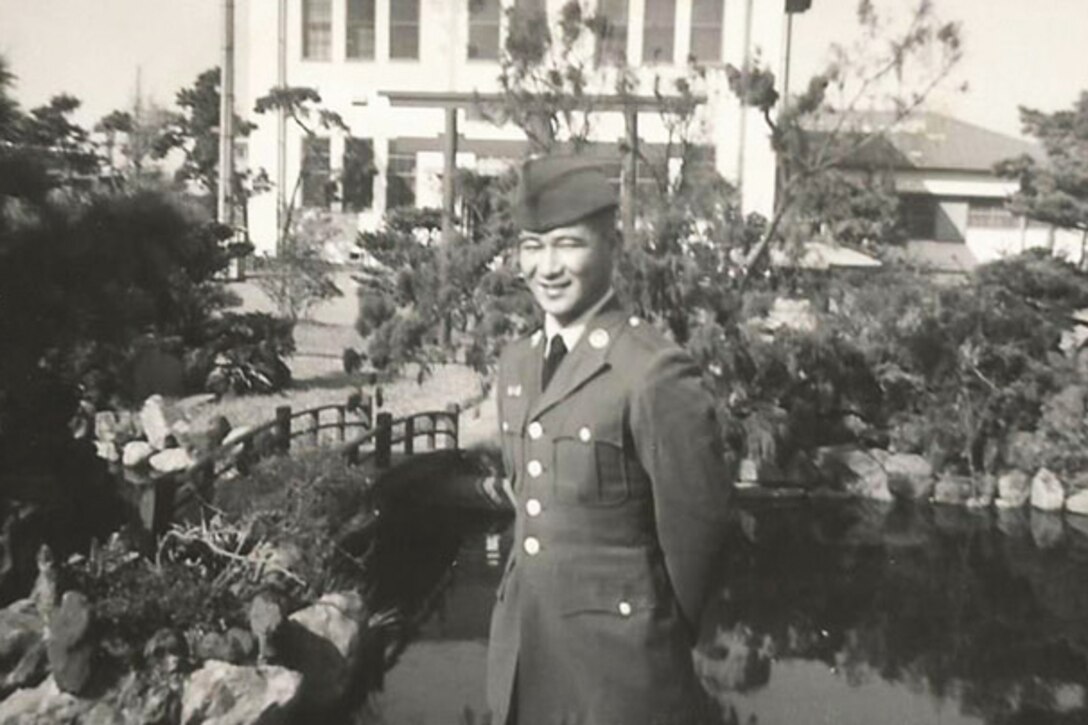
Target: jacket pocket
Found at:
619, 596
590, 465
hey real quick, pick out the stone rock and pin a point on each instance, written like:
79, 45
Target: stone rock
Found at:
910, 476
136, 453
107, 451
105, 426
70, 646
861, 472
1013, 489
46, 703
220, 693
1077, 503
170, 460
21, 631
1047, 493
155, 421
955, 490
322, 642
265, 620
235, 434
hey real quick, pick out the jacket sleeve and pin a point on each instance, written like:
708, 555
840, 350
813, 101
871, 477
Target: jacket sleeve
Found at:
678, 444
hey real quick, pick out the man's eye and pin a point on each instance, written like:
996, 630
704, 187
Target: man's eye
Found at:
529, 246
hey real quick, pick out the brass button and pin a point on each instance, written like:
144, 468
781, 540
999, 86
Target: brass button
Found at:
505, 427
533, 507
535, 430
624, 607
535, 468
531, 545
634, 321
584, 434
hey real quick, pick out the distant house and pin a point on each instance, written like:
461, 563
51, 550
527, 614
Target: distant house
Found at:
952, 204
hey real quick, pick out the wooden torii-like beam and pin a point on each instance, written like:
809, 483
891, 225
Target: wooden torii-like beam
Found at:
452, 101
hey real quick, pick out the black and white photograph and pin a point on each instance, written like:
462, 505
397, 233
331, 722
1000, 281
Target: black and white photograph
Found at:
543, 362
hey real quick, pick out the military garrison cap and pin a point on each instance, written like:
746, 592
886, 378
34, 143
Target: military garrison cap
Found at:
555, 191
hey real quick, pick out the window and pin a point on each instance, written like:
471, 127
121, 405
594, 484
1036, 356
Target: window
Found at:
612, 43
360, 29
990, 214
706, 30
658, 30
483, 29
317, 185
400, 177
317, 29
404, 29
358, 175
918, 215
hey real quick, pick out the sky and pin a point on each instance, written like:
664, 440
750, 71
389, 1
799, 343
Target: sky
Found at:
1017, 52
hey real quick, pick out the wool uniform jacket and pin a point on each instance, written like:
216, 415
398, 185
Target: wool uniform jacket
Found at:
621, 489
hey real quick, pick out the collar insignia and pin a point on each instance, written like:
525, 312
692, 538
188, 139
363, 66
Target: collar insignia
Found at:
598, 339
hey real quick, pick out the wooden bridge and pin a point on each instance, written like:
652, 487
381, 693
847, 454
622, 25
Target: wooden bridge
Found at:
358, 433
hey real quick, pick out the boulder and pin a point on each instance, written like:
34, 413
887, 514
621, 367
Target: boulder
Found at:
46, 703
1013, 489
171, 460
220, 693
1047, 493
70, 646
910, 476
323, 642
955, 490
105, 426
136, 453
1077, 503
861, 472
156, 421
22, 632
107, 451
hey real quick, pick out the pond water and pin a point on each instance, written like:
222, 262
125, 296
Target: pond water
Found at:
827, 612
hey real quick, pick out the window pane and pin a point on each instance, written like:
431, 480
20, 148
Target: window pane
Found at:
317, 29
359, 170
612, 47
317, 186
404, 11
400, 180
706, 30
658, 31
404, 29
360, 29
483, 28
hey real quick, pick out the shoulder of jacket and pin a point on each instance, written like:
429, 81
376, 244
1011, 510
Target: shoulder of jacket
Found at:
640, 340
520, 346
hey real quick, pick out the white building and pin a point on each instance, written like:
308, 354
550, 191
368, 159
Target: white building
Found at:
358, 54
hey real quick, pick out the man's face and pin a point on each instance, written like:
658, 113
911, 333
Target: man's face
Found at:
567, 269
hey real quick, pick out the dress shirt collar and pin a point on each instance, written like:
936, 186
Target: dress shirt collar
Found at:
573, 332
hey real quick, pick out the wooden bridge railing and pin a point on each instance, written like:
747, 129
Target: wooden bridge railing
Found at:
381, 434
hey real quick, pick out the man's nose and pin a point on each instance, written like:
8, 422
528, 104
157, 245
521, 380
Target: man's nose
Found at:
550, 263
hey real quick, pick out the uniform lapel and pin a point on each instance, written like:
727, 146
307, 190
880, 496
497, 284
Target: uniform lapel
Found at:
531, 368
585, 361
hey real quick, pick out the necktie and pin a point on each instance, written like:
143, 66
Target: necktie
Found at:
557, 349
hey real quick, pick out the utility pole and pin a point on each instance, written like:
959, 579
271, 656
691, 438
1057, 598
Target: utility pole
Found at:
225, 195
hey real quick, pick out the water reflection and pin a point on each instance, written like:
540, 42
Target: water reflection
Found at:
827, 612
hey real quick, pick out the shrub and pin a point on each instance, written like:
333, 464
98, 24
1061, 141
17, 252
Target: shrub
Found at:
242, 353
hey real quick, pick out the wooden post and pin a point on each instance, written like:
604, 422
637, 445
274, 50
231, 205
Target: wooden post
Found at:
409, 436
432, 424
383, 440
315, 427
352, 454
340, 433
283, 428
368, 410
455, 411
379, 398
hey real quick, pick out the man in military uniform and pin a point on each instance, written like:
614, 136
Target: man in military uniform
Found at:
619, 479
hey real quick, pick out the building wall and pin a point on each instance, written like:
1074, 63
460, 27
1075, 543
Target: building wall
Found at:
356, 89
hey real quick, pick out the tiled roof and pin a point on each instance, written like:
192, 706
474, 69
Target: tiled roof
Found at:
935, 141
